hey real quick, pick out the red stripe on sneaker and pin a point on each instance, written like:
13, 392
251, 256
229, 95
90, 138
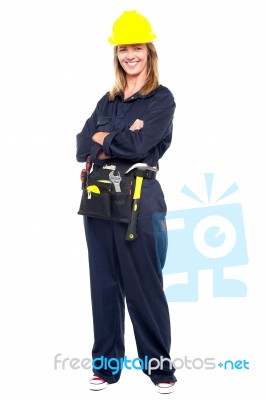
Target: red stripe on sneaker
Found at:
96, 378
169, 383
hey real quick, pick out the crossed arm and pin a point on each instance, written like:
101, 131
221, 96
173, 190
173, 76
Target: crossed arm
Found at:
99, 137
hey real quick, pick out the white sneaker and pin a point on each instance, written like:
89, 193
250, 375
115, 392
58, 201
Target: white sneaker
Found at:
165, 387
97, 383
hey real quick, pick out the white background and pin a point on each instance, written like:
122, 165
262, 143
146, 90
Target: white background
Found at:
55, 65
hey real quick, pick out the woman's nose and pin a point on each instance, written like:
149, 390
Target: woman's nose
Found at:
130, 54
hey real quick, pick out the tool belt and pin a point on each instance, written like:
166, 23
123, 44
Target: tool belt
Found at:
108, 190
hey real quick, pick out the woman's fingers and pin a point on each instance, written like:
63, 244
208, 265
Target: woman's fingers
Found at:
137, 125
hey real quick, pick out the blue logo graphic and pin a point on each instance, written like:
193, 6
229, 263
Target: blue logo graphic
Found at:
230, 364
207, 237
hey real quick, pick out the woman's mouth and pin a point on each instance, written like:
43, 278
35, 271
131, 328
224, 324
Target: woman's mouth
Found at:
132, 63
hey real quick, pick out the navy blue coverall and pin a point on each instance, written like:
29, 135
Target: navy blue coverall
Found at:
119, 269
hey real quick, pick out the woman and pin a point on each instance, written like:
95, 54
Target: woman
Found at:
132, 124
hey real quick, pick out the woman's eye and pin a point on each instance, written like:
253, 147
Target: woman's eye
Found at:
122, 50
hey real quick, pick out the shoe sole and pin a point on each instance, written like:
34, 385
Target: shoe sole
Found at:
168, 390
96, 387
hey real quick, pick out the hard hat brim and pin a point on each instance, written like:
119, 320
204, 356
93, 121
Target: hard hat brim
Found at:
114, 42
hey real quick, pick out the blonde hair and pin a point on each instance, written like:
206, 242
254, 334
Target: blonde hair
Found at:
152, 80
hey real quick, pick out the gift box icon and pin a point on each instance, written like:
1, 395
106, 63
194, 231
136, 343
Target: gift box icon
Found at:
208, 237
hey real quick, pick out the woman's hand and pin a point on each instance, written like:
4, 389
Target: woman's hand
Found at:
102, 156
137, 125
99, 137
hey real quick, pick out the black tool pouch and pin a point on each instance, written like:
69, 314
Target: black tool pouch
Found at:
107, 203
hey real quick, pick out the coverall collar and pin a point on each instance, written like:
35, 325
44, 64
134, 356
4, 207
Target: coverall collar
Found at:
138, 95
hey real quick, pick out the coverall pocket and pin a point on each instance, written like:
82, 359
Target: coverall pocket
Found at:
103, 124
121, 206
95, 205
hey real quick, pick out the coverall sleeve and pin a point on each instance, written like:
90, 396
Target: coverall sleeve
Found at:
85, 145
135, 145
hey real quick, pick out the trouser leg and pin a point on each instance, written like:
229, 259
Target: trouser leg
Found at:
107, 296
143, 283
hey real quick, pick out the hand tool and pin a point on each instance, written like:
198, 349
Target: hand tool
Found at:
140, 166
115, 179
132, 227
111, 167
83, 177
85, 172
92, 189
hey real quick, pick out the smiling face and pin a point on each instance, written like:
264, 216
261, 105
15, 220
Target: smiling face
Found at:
133, 58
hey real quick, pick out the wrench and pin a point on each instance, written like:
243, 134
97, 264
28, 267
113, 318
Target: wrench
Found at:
115, 179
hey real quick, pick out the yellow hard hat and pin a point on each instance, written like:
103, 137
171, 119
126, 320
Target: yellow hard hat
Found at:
131, 27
